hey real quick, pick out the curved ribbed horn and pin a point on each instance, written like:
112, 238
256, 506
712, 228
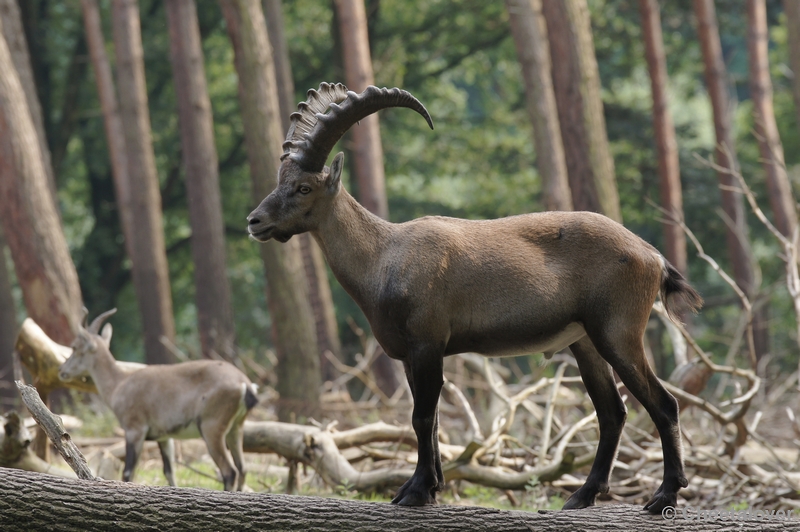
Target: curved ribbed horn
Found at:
312, 134
94, 328
85, 317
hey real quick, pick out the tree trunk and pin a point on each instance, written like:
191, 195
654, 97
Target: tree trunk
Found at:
669, 171
725, 155
36, 501
319, 289
365, 137
112, 122
792, 10
14, 34
149, 258
533, 51
8, 330
292, 323
212, 290
576, 81
28, 212
781, 198
365, 142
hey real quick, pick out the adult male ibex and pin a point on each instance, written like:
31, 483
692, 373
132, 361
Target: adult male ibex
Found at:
205, 398
438, 286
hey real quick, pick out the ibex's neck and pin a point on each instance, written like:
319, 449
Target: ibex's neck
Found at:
106, 374
353, 241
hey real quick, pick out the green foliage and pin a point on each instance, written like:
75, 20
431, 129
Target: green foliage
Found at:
458, 58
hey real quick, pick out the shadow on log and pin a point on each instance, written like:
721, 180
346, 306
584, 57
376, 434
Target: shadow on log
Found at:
32, 501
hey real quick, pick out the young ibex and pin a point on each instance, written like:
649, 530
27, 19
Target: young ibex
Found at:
438, 286
205, 398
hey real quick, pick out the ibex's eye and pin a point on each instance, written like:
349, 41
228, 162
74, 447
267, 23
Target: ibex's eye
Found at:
305, 189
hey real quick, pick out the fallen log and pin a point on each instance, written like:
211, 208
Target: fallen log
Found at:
32, 501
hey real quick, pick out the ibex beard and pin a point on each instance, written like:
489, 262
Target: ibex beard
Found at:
438, 286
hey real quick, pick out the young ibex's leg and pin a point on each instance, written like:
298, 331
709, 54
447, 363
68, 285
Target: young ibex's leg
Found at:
599, 381
624, 350
213, 432
167, 448
134, 440
424, 372
235, 442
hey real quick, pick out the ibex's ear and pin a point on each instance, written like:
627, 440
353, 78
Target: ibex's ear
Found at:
335, 175
105, 334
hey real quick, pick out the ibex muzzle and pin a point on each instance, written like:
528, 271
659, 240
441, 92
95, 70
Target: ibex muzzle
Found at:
438, 286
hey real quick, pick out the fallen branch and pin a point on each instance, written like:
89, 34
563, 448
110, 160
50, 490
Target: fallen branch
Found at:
55, 431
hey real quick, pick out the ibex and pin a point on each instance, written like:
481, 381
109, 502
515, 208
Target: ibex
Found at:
439, 286
205, 398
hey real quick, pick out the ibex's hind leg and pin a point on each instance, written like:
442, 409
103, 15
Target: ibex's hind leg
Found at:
424, 372
167, 448
214, 435
235, 440
625, 352
611, 413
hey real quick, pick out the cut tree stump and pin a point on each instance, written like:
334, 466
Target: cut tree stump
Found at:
32, 501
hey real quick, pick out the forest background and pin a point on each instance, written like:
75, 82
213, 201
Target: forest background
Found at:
459, 58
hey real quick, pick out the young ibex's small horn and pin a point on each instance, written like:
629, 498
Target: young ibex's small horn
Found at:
94, 328
313, 133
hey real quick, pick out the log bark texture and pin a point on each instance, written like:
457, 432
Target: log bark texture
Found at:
32, 501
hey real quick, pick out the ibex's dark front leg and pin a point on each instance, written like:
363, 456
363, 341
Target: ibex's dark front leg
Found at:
424, 372
134, 441
611, 413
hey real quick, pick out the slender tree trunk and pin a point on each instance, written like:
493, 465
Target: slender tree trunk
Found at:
28, 213
319, 289
8, 333
580, 108
366, 142
213, 294
112, 122
14, 34
725, 155
669, 171
366, 137
792, 10
769, 141
292, 323
149, 258
533, 51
